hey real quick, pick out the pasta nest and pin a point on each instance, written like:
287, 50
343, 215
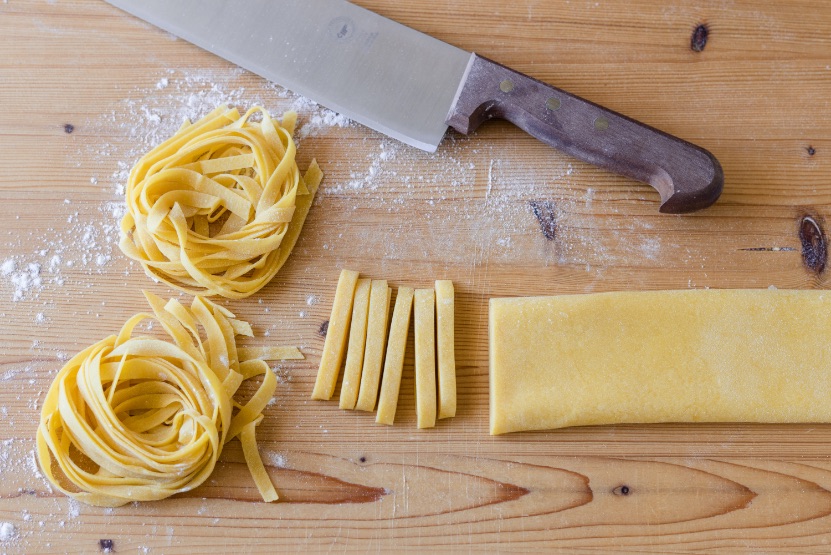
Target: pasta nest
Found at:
217, 208
136, 418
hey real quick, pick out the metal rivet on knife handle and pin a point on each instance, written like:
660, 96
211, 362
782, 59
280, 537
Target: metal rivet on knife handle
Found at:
553, 103
506, 86
601, 123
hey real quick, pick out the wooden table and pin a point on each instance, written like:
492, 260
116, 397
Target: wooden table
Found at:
85, 89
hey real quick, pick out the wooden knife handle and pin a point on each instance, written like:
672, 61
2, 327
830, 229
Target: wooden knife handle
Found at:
686, 176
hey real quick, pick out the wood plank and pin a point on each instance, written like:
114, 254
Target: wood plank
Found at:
497, 213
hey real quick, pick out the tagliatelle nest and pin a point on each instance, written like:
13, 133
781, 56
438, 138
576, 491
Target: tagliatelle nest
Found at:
217, 208
136, 418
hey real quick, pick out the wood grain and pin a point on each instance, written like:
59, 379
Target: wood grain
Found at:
498, 213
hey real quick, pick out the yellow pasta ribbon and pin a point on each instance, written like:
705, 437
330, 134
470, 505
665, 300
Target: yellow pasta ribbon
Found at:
217, 208
136, 418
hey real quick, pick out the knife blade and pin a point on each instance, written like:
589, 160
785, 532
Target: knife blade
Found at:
411, 86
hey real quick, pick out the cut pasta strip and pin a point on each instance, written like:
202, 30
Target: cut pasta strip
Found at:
394, 363
445, 340
425, 358
270, 353
217, 208
135, 418
376, 339
335, 343
355, 347
255, 463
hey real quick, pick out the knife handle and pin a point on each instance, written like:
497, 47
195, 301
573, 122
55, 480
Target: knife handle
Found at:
686, 176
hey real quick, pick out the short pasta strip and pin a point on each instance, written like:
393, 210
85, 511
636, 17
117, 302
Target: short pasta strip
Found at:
445, 343
376, 339
394, 362
335, 343
136, 418
355, 347
425, 358
217, 208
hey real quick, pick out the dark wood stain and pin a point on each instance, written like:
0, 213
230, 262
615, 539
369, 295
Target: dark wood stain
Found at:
329, 490
293, 486
106, 546
584, 496
68, 128
501, 492
811, 150
699, 37
768, 249
324, 329
546, 214
814, 249
818, 508
622, 490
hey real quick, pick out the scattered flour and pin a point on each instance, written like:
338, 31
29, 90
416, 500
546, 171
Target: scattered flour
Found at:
276, 459
9, 266
34, 468
319, 120
8, 532
54, 263
84, 245
73, 509
25, 278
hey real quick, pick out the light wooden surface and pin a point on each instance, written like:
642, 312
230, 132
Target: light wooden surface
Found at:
475, 212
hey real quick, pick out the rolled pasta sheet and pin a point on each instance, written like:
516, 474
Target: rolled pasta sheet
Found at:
217, 208
630, 357
138, 418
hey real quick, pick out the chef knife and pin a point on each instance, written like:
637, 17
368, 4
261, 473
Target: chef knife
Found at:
411, 86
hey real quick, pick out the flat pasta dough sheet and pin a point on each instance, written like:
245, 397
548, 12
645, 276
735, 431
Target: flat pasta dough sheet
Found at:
662, 356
